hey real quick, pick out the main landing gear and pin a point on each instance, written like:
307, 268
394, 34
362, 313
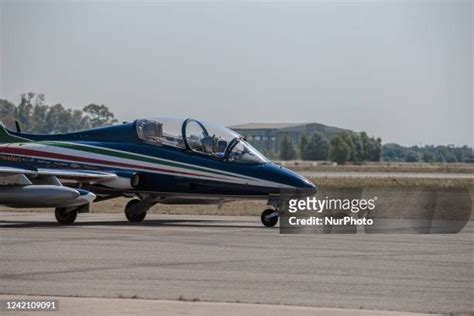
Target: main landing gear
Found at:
65, 215
131, 215
269, 217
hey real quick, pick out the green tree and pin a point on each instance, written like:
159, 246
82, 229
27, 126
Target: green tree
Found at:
35, 116
450, 157
349, 140
467, 153
339, 149
394, 152
441, 152
372, 148
7, 113
375, 151
428, 153
412, 156
428, 156
317, 148
99, 115
359, 149
287, 150
303, 145
25, 108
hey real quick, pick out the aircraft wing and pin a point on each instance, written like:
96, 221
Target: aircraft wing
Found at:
9, 171
77, 175
22, 187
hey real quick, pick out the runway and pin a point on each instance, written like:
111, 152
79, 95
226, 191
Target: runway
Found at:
233, 259
379, 175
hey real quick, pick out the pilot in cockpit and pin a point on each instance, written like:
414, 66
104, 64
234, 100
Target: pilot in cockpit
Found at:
221, 147
214, 145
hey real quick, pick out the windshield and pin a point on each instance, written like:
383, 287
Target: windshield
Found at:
161, 131
207, 138
200, 137
243, 152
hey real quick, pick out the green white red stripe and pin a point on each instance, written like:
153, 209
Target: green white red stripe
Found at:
116, 159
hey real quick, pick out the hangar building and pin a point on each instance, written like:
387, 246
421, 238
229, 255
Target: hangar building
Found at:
268, 136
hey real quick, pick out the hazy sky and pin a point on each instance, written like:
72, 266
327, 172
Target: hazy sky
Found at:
401, 70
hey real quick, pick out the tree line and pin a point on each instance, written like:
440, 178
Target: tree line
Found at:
358, 148
341, 148
35, 116
427, 153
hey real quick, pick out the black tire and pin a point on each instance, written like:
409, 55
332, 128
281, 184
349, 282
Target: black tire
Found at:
133, 218
65, 216
269, 222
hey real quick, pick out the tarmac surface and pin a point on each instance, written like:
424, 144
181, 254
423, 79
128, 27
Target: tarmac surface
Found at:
409, 175
91, 306
234, 259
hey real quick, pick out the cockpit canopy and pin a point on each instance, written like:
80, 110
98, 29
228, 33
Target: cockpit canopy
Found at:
199, 137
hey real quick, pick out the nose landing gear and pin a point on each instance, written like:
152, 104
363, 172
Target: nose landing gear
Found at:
135, 210
269, 217
65, 215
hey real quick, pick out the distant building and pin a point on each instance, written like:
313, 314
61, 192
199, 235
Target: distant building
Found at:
268, 136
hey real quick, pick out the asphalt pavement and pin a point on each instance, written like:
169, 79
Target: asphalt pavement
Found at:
234, 259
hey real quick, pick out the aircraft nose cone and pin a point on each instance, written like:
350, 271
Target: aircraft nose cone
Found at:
303, 186
292, 182
308, 188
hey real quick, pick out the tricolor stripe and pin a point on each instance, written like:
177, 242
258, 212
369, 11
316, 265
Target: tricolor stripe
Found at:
117, 159
49, 155
143, 158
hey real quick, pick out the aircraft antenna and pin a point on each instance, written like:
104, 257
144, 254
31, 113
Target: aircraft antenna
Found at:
17, 124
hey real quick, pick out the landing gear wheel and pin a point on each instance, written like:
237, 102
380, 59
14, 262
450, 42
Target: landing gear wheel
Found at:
132, 217
65, 215
269, 217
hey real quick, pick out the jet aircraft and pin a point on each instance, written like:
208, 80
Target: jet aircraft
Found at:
161, 160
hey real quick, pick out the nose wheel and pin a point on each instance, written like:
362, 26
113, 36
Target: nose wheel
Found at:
269, 217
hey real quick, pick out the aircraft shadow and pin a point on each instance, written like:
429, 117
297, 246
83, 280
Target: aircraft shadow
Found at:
146, 223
